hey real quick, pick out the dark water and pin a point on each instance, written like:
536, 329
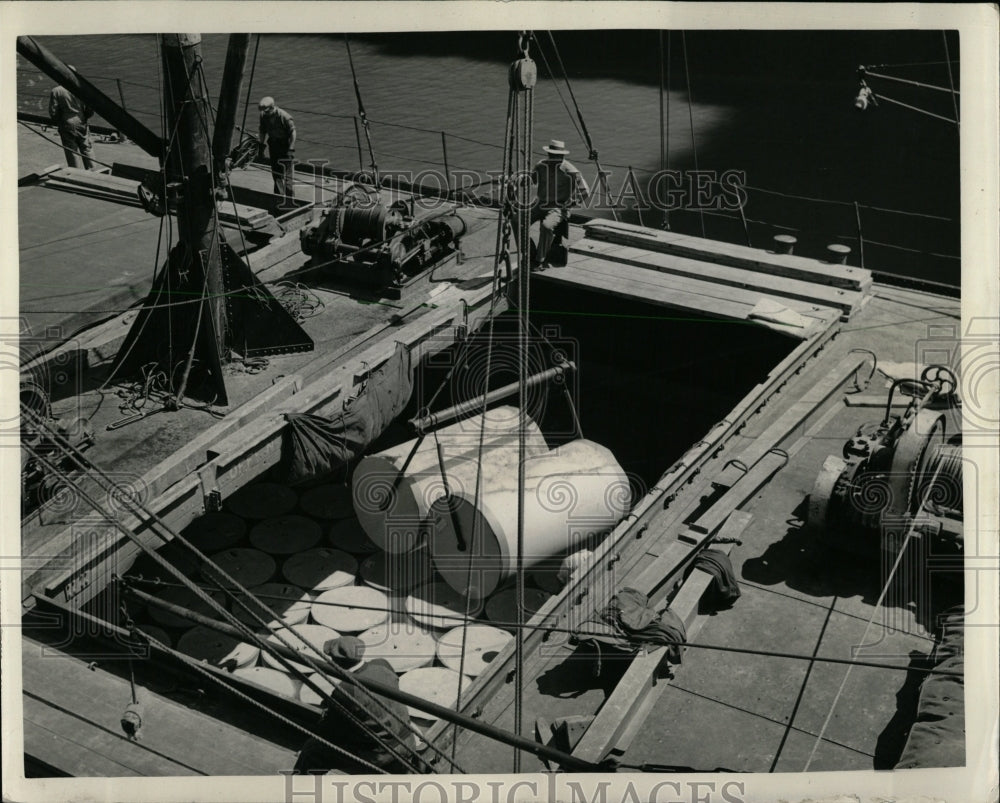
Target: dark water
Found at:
775, 105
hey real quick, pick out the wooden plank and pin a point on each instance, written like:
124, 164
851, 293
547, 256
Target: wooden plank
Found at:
810, 292
793, 417
709, 289
635, 283
622, 714
704, 298
66, 697
740, 256
44, 727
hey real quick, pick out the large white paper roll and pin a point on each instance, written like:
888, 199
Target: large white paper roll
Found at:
573, 495
393, 490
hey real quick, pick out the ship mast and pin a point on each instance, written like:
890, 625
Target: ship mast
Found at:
205, 303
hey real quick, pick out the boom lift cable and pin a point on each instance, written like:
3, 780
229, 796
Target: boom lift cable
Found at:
694, 144
520, 167
234, 590
246, 102
588, 140
365, 123
501, 256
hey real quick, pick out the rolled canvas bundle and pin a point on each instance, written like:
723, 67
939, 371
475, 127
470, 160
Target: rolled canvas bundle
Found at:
394, 489
572, 494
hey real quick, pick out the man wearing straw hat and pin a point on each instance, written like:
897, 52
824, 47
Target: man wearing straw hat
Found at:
560, 187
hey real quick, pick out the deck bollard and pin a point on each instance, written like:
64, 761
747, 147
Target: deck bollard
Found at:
836, 254
784, 243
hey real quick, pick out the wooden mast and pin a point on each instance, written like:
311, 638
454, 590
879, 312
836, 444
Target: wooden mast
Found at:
205, 302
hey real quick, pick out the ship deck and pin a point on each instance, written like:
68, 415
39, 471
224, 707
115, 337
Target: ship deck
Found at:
741, 712
756, 713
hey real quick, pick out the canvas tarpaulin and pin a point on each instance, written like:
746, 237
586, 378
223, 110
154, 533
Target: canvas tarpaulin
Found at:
629, 623
318, 446
937, 738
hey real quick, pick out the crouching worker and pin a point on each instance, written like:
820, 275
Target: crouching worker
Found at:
383, 729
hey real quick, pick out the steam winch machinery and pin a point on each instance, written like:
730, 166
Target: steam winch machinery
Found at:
901, 471
383, 247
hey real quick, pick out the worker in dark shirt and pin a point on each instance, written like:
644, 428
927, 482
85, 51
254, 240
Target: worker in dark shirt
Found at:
560, 186
70, 115
338, 728
277, 133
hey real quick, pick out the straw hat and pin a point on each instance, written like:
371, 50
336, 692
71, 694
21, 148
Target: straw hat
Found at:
556, 146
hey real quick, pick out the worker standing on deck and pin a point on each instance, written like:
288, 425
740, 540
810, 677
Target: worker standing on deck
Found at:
560, 187
277, 133
70, 114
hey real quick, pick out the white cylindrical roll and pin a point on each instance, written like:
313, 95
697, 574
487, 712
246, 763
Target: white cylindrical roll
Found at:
351, 609
403, 644
248, 567
434, 683
394, 489
306, 639
271, 679
288, 601
480, 643
397, 572
440, 607
321, 569
204, 644
285, 535
572, 495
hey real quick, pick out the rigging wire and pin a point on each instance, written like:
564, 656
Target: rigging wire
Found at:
914, 108
550, 628
247, 632
951, 78
921, 84
694, 145
253, 70
362, 114
588, 141
235, 591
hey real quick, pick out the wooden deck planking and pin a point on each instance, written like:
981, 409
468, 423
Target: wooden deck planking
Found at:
709, 288
704, 298
722, 253
62, 696
809, 292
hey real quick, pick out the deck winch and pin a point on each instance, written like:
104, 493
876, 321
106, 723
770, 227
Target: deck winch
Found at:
895, 470
381, 246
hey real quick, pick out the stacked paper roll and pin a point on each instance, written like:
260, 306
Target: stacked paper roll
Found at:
572, 494
394, 489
